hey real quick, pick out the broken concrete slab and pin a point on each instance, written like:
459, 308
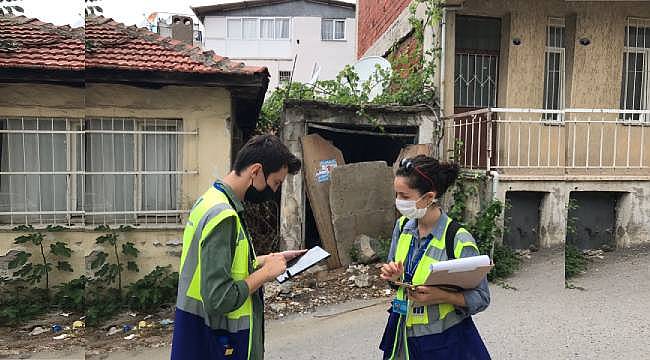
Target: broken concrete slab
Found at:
365, 247
362, 202
413, 151
320, 158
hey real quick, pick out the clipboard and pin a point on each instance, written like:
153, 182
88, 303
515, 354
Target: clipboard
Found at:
302, 263
458, 274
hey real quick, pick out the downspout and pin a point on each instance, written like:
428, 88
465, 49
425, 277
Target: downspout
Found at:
443, 43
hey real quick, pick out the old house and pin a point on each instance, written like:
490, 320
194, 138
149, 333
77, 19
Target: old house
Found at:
551, 100
114, 125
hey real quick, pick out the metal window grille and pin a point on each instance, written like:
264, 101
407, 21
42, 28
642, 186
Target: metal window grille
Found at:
635, 87
91, 171
284, 76
554, 69
475, 80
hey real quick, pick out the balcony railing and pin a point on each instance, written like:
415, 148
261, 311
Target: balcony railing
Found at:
580, 141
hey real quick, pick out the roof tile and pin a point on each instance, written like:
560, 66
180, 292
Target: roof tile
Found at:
105, 44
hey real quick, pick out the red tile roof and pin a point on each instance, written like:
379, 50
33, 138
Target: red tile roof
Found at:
112, 45
105, 44
32, 44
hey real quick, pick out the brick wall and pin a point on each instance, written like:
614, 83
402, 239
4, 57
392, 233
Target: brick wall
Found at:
375, 16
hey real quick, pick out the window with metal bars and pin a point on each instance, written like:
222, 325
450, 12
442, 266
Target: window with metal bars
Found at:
284, 76
635, 87
554, 68
91, 171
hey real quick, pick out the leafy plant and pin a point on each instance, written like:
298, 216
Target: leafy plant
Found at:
19, 303
108, 272
155, 289
33, 273
11, 7
71, 296
92, 8
575, 262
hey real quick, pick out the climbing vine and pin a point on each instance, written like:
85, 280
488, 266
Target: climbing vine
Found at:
411, 82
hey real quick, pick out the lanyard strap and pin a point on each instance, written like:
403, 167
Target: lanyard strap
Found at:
219, 187
413, 261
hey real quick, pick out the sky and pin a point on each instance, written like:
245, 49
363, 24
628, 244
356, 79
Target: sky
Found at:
129, 12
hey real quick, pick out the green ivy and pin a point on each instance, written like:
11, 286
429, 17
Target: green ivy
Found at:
575, 262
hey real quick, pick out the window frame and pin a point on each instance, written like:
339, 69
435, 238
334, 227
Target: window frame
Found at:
557, 23
333, 21
644, 96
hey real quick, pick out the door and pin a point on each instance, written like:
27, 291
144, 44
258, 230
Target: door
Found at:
522, 219
591, 219
476, 72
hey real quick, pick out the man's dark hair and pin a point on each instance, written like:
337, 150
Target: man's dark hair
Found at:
269, 151
426, 174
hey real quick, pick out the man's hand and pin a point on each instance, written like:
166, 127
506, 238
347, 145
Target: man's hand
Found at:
392, 271
292, 254
431, 295
274, 265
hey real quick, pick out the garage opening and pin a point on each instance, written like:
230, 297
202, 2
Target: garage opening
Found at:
522, 219
591, 219
358, 143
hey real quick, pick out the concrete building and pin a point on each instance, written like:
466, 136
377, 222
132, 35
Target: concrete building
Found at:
317, 34
104, 135
550, 99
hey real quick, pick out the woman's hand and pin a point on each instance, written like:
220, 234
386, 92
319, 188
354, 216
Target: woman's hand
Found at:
431, 295
392, 271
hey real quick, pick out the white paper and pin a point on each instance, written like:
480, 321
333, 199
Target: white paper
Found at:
462, 264
310, 258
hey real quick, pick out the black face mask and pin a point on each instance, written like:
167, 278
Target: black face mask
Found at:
256, 196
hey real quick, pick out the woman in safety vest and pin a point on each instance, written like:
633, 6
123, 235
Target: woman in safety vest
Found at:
428, 322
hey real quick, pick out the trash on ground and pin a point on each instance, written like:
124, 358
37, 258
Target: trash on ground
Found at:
113, 330
61, 337
56, 328
130, 337
166, 322
37, 331
77, 325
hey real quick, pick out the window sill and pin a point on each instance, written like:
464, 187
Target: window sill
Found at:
86, 228
334, 40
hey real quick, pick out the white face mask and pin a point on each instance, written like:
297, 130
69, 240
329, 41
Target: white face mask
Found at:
409, 208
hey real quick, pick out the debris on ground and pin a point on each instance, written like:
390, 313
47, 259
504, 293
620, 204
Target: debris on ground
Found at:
594, 254
524, 253
306, 293
37, 331
365, 248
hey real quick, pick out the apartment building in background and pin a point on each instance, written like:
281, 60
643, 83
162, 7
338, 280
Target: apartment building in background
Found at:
320, 35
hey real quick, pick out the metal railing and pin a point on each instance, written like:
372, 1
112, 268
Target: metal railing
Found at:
592, 141
85, 172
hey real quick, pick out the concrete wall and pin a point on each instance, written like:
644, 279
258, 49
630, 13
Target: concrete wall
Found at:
361, 207
278, 55
204, 109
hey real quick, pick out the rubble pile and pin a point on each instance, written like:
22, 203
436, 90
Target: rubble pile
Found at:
320, 287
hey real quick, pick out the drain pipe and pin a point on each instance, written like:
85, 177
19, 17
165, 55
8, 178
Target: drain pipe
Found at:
443, 44
495, 183
495, 187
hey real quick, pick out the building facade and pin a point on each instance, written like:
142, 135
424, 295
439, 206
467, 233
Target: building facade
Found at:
105, 136
295, 39
551, 99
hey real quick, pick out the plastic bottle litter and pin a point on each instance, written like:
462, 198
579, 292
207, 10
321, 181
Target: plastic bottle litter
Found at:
166, 322
37, 331
65, 314
61, 337
142, 324
133, 314
112, 331
77, 325
130, 337
126, 328
56, 328
148, 317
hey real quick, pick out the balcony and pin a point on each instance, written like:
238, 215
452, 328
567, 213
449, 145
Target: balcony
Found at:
579, 143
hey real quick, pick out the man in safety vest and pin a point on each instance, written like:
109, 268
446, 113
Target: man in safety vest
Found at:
220, 310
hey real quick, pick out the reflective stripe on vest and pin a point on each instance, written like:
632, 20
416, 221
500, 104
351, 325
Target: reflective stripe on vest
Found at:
434, 253
208, 211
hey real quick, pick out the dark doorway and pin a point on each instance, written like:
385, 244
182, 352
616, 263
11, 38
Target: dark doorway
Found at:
591, 219
358, 144
522, 219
